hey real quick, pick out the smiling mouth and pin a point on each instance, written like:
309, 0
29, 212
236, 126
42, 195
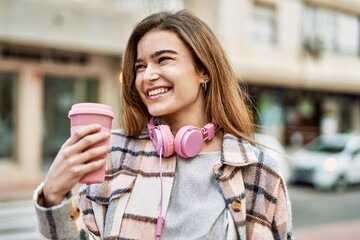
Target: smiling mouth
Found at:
158, 91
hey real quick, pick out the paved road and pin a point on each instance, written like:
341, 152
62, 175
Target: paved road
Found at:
344, 230
325, 215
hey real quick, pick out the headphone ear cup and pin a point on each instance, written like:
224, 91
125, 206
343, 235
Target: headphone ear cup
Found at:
188, 141
164, 138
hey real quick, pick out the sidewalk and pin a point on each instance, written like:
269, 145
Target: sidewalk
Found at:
349, 230
17, 220
18, 191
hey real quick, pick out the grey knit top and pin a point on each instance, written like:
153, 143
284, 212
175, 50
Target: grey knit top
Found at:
197, 208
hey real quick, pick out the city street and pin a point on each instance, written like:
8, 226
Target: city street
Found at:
282, 75
316, 215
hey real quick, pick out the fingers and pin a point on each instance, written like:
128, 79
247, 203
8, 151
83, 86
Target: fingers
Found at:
82, 132
87, 143
87, 155
56, 187
82, 140
72, 161
80, 170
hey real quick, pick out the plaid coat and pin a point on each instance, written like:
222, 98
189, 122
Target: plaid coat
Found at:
126, 205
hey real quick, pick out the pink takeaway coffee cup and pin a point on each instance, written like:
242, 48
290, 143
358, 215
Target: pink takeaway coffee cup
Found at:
82, 114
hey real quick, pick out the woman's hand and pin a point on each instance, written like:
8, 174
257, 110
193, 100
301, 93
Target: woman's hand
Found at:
70, 164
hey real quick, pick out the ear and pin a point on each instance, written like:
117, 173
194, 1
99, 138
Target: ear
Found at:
204, 76
204, 73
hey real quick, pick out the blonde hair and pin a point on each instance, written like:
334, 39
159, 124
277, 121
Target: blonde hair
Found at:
225, 101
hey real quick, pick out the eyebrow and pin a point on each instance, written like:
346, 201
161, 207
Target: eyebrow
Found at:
158, 53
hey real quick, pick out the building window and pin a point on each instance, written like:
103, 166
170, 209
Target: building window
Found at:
7, 116
59, 94
263, 24
347, 37
330, 31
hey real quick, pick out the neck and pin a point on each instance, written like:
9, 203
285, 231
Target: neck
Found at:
214, 144
175, 122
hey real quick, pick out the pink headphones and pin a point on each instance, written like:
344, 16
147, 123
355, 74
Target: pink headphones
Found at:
187, 142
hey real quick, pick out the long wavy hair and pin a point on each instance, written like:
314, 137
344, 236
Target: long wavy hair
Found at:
225, 101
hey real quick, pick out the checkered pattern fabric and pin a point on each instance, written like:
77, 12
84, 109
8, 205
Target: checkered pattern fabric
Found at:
126, 205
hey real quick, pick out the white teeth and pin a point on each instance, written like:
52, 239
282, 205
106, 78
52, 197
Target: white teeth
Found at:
158, 91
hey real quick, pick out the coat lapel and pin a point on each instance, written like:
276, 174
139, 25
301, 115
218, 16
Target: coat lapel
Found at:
235, 154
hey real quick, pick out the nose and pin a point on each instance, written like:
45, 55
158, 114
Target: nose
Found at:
151, 74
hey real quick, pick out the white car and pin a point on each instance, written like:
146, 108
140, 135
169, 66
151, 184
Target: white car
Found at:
274, 149
328, 162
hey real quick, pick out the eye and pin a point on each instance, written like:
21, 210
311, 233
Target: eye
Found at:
163, 59
140, 67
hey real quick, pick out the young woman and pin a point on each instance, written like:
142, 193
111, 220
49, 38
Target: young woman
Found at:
184, 165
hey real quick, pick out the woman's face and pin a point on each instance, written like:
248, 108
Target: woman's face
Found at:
166, 77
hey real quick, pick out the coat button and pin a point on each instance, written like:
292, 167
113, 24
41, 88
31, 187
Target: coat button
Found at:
236, 205
74, 213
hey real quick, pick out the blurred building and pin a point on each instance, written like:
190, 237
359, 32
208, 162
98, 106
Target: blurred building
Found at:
54, 54
298, 58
